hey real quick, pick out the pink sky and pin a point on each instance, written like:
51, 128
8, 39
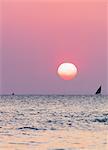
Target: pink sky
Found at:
37, 36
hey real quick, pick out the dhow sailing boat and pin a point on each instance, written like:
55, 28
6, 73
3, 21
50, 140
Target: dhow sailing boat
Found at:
98, 92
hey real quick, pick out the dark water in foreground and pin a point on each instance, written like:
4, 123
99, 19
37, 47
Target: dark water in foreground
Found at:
54, 122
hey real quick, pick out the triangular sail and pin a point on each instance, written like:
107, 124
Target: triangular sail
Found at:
98, 91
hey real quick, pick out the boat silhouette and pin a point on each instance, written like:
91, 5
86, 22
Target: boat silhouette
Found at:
13, 94
98, 92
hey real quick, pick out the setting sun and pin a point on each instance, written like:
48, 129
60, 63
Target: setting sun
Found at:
67, 71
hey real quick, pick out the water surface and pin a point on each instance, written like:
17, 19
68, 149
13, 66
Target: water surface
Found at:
54, 122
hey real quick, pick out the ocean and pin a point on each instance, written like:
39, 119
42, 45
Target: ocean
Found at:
53, 122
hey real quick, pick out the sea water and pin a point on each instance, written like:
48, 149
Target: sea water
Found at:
54, 122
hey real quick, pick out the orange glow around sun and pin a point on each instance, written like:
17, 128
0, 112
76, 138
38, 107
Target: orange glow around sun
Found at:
67, 71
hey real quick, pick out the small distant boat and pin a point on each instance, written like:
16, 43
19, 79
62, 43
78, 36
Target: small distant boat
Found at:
98, 92
13, 94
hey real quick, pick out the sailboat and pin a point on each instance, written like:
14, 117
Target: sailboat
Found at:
13, 94
98, 92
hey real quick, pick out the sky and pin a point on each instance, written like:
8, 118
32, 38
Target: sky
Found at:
38, 35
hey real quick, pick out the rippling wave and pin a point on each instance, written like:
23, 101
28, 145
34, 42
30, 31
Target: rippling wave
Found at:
29, 115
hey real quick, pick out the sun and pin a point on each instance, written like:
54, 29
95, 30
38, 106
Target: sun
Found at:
67, 71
